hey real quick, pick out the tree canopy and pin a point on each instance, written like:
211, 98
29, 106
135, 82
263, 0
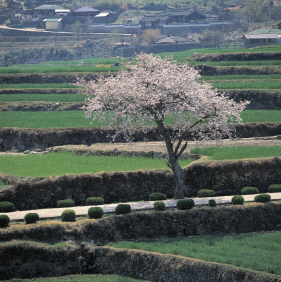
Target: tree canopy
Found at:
154, 90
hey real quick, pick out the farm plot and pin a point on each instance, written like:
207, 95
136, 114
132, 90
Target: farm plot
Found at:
58, 119
54, 164
238, 250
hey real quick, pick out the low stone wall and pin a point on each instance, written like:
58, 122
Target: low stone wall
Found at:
259, 99
225, 177
20, 259
161, 267
29, 260
40, 106
243, 56
22, 139
148, 225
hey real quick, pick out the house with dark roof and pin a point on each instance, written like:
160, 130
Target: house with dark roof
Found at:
47, 9
179, 15
86, 11
262, 36
106, 17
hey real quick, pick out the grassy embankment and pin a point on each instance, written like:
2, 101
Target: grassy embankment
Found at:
260, 252
59, 119
54, 164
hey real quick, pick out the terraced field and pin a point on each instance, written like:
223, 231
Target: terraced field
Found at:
39, 109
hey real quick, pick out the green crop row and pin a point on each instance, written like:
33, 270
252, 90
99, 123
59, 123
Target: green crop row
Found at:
42, 97
54, 164
37, 86
241, 152
238, 250
57, 119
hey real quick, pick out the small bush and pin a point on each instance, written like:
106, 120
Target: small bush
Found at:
123, 209
212, 203
31, 217
274, 188
237, 200
4, 220
159, 206
95, 212
65, 203
185, 204
94, 201
157, 197
6, 206
249, 190
205, 193
68, 215
262, 198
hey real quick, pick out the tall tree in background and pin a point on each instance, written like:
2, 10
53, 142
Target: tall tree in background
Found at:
152, 91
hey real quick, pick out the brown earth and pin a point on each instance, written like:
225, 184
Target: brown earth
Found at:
159, 146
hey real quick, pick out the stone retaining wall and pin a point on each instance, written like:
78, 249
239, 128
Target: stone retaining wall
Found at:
242, 56
24, 259
22, 139
29, 260
225, 177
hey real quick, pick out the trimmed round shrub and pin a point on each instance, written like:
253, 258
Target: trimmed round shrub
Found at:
262, 198
205, 193
65, 203
123, 209
157, 196
4, 220
185, 204
212, 203
274, 188
6, 206
31, 217
237, 200
249, 190
159, 206
95, 212
68, 215
94, 201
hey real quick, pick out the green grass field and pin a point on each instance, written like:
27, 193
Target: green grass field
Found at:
234, 153
242, 77
42, 97
37, 85
58, 119
80, 278
53, 164
238, 63
260, 252
248, 85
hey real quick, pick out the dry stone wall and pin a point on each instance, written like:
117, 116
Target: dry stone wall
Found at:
22, 139
29, 260
226, 178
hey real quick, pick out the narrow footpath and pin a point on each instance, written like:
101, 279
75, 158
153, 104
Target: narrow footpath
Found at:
135, 206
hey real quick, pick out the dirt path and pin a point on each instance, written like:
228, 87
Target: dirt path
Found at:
159, 146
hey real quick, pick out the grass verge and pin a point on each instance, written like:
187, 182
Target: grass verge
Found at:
80, 278
37, 86
42, 97
260, 252
56, 119
241, 152
54, 164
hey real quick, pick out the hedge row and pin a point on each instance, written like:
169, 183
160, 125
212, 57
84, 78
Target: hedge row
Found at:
23, 139
253, 217
242, 56
28, 259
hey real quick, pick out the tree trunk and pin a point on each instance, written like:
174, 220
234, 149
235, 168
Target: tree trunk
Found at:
179, 176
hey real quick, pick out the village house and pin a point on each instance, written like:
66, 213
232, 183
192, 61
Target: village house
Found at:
262, 36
